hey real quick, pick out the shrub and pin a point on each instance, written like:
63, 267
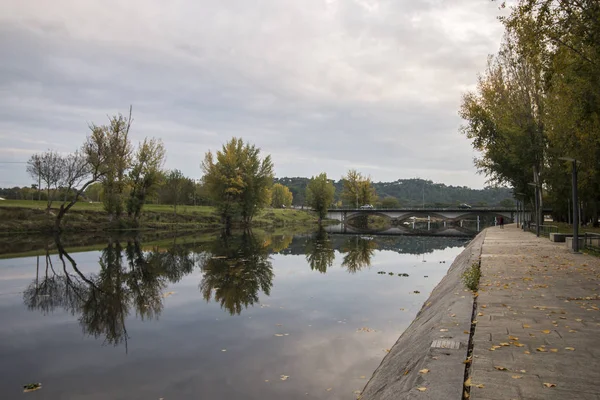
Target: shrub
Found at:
471, 276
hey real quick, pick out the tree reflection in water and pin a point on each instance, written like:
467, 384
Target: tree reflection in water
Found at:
128, 277
358, 253
235, 270
320, 252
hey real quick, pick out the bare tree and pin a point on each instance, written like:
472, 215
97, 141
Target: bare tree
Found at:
81, 169
47, 168
34, 169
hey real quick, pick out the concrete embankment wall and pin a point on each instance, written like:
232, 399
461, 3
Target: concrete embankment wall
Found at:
444, 320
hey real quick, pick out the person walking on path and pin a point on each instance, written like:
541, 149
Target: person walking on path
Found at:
501, 222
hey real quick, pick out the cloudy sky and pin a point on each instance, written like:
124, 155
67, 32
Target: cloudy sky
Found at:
321, 85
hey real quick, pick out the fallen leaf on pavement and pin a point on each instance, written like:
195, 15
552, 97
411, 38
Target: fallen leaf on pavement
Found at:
284, 377
31, 387
570, 348
421, 389
424, 371
549, 385
499, 368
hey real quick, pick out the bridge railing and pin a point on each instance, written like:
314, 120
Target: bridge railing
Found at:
545, 230
592, 241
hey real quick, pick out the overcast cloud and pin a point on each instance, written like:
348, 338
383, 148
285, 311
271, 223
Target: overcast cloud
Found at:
321, 85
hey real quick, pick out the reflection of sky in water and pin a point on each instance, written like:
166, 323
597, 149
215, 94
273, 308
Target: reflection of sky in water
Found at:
179, 356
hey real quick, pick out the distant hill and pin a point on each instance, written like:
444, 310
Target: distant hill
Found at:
411, 192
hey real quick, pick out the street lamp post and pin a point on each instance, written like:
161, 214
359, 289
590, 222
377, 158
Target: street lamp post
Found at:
574, 163
537, 213
521, 199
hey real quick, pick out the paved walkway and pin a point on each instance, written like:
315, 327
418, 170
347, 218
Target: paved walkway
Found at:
538, 320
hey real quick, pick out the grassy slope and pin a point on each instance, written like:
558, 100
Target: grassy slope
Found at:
29, 215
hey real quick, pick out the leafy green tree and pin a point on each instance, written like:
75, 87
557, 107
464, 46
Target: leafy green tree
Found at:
357, 189
145, 175
238, 180
281, 196
174, 188
319, 194
94, 192
112, 143
505, 116
507, 203
389, 202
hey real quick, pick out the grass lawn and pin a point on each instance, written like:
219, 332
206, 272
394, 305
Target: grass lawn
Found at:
97, 206
29, 215
566, 228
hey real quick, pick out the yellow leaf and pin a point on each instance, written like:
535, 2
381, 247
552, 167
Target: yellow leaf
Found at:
554, 350
424, 371
32, 387
406, 372
328, 389
283, 377
499, 368
518, 344
527, 352
570, 348
479, 385
546, 331
443, 330
513, 338
541, 349
480, 314
526, 326
517, 376
522, 371
504, 344
549, 385
421, 389
578, 320
468, 382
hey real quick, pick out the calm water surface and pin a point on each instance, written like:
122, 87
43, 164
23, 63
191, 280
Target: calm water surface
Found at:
242, 317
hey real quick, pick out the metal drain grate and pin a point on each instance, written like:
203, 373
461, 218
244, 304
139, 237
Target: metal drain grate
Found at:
445, 344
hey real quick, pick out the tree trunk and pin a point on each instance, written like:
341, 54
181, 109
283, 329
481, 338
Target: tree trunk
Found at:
58, 220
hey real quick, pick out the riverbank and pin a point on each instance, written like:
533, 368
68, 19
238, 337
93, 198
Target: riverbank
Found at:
22, 216
428, 359
532, 328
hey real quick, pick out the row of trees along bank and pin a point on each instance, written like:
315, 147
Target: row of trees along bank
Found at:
237, 180
539, 100
107, 167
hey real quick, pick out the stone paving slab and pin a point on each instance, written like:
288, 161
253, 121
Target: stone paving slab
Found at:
538, 316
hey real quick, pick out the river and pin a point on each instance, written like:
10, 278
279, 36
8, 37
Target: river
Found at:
247, 316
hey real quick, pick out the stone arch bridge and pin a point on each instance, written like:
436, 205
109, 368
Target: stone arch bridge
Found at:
447, 214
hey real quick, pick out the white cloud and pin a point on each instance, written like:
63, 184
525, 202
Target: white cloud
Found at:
320, 84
